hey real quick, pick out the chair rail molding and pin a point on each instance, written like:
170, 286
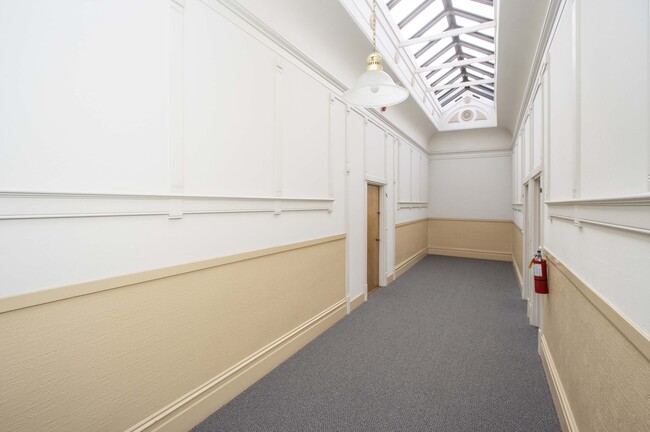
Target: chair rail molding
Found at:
61, 205
627, 212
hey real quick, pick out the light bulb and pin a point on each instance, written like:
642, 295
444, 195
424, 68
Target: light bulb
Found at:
374, 89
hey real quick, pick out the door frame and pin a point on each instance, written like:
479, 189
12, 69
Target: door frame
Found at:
383, 234
533, 237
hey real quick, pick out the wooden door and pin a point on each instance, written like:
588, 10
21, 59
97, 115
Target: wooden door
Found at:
373, 238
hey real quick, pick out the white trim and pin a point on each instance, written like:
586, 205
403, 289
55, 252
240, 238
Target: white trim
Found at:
461, 84
549, 28
496, 153
626, 213
176, 97
456, 63
577, 144
642, 199
560, 398
578, 223
181, 413
59, 205
448, 33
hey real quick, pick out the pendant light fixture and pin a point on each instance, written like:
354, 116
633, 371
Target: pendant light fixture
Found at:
375, 88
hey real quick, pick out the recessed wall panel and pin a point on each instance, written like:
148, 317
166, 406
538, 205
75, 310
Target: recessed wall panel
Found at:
375, 152
229, 129
562, 111
614, 98
404, 172
304, 139
84, 96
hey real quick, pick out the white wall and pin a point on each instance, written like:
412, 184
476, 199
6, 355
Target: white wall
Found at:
122, 151
324, 31
594, 149
412, 181
470, 175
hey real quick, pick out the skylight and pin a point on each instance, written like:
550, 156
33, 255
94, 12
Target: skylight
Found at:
453, 45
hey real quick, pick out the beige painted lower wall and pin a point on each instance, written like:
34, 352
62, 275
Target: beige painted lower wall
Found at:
518, 251
471, 238
597, 362
162, 353
410, 244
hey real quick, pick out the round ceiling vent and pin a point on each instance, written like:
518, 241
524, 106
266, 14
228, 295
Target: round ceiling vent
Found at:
467, 115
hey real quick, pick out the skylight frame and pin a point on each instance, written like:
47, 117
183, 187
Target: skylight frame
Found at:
464, 46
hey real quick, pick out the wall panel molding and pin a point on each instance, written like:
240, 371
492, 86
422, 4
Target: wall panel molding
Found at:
476, 154
231, 9
63, 205
623, 213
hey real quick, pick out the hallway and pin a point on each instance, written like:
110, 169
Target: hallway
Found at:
447, 347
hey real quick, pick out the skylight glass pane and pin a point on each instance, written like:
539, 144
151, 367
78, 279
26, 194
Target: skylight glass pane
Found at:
441, 59
402, 9
432, 50
474, 7
483, 67
473, 53
422, 18
464, 22
469, 38
438, 27
489, 32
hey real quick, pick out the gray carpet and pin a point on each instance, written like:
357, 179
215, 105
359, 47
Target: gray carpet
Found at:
446, 347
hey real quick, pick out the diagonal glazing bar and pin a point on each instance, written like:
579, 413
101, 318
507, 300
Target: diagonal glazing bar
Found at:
479, 70
451, 98
451, 94
392, 3
431, 23
480, 93
485, 2
417, 11
443, 76
461, 84
440, 53
448, 33
470, 16
476, 48
481, 36
456, 63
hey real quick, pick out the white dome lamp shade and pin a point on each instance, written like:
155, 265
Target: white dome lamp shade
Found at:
375, 88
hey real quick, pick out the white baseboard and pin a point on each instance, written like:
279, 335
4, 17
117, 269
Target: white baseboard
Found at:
560, 400
189, 410
357, 301
471, 253
406, 265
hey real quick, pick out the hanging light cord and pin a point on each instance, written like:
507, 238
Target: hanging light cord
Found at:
373, 25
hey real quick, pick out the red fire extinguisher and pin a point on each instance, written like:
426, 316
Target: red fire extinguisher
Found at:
539, 273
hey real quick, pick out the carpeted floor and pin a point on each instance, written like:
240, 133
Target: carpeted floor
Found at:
446, 347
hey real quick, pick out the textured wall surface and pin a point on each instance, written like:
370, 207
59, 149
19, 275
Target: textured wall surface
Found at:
605, 377
485, 239
108, 360
410, 240
517, 249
